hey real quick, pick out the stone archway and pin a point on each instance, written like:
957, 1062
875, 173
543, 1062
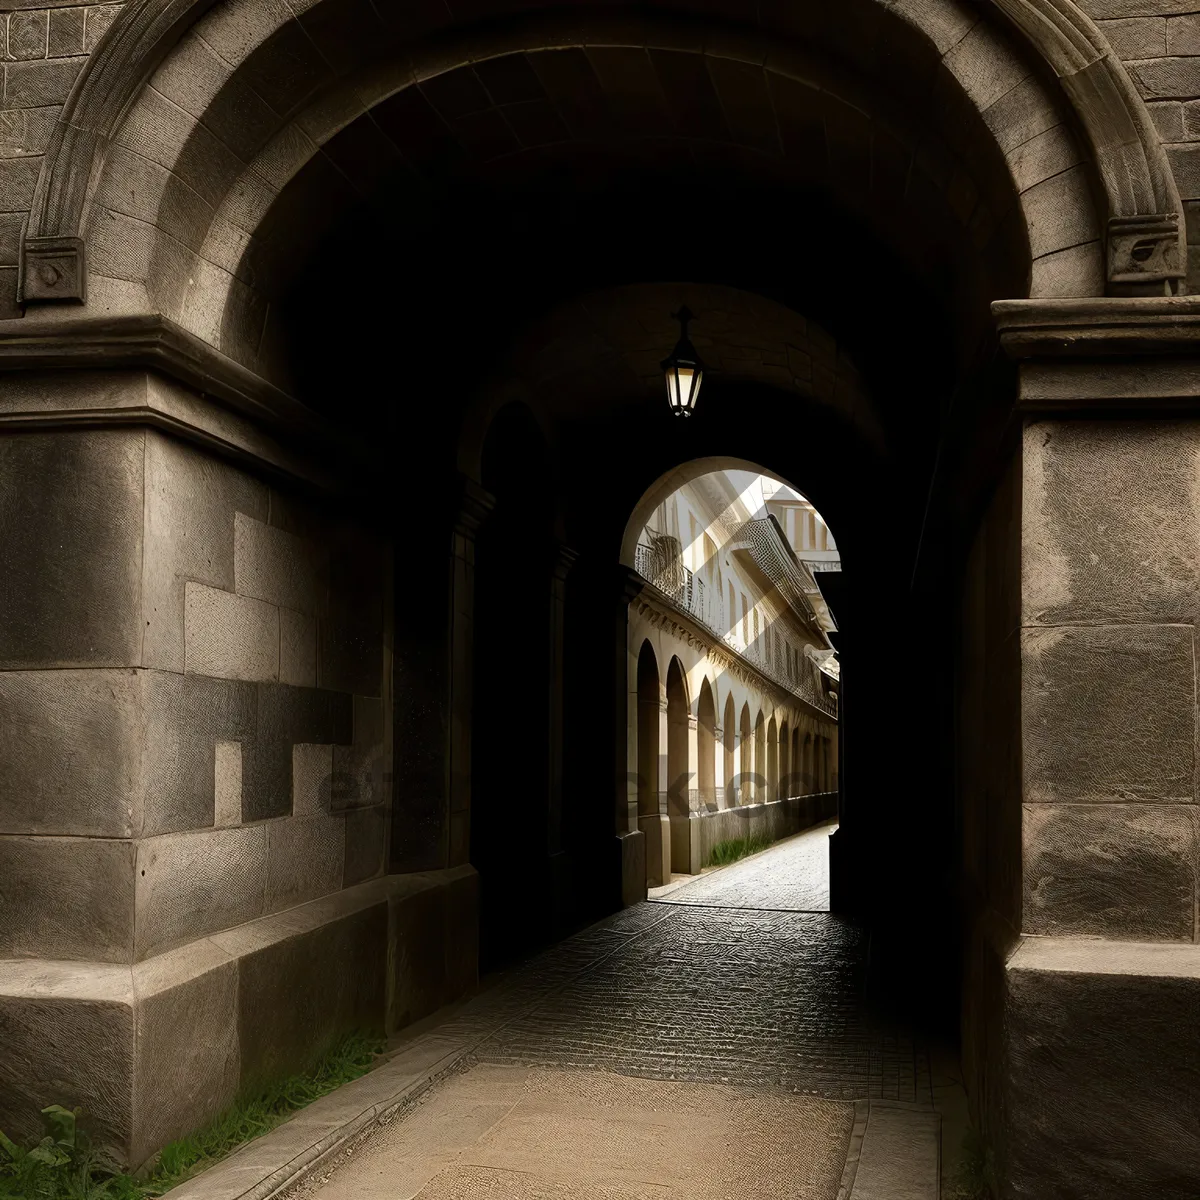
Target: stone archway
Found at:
957, 153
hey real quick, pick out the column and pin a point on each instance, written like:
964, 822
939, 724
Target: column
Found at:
474, 506
562, 559
719, 767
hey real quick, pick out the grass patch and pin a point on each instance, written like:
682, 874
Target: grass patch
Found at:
64, 1166
724, 853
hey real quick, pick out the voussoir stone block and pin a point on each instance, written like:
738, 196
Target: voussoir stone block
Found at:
1101, 1072
1108, 713
230, 636
1110, 521
71, 545
70, 754
66, 898
1124, 871
190, 884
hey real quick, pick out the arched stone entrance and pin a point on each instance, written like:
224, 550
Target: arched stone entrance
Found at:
256, 214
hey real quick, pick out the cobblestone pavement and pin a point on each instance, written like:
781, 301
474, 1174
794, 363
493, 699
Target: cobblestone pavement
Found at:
792, 875
717, 991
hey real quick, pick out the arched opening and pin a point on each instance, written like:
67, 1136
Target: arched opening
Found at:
785, 764
651, 762
760, 775
810, 765
772, 760
706, 748
679, 776
746, 751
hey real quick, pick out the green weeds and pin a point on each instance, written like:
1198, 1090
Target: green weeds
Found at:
64, 1166
724, 853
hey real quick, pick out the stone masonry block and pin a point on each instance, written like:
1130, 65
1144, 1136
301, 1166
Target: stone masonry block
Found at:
273, 565
299, 994
229, 636
1123, 871
27, 35
1108, 713
1183, 36
191, 499
71, 543
1110, 522
186, 1050
68, 1038
1137, 37
1101, 1073
18, 178
305, 857
227, 785
366, 831
297, 648
66, 898
66, 32
312, 776
34, 84
190, 884
70, 754
1167, 78
186, 717
985, 65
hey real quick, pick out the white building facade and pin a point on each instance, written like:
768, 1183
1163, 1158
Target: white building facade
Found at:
733, 678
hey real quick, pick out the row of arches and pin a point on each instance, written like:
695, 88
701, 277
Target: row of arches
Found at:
690, 762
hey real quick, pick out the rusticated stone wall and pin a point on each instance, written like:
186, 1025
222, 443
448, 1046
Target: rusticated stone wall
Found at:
193, 696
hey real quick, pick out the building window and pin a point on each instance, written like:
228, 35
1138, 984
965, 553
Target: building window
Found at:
745, 621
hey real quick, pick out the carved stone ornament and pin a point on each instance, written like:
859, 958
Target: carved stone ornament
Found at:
1144, 249
52, 268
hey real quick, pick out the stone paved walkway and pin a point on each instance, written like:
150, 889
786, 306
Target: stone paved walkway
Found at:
707, 986
730, 982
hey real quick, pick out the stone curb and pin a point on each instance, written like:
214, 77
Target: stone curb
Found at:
862, 1109
281, 1159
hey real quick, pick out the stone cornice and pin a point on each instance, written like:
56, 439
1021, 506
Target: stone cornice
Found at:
203, 396
1104, 355
658, 610
1099, 326
153, 341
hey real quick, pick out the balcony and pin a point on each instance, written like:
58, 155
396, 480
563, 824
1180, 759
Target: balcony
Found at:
665, 570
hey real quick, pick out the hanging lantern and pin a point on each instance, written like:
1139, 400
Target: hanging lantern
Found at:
683, 370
